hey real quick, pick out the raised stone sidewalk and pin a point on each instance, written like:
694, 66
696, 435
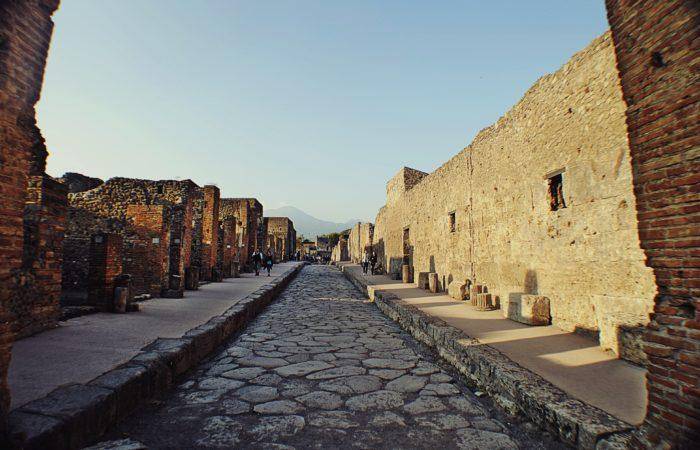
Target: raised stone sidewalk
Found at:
561, 381
70, 384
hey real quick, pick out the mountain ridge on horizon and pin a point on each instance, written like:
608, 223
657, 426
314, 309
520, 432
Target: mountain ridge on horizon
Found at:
308, 225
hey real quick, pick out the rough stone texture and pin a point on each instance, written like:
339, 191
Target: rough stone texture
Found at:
77, 182
359, 241
25, 34
657, 56
585, 257
528, 309
74, 415
457, 289
250, 226
209, 270
340, 251
320, 313
282, 229
106, 209
516, 389
433, 283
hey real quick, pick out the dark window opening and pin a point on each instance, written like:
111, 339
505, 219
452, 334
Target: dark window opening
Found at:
453, 222
556, 192
160, 189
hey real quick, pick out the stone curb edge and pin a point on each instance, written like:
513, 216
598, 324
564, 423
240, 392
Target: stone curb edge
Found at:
513, 387
72, 416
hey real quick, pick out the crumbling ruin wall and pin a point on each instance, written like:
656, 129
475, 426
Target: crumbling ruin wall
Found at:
359, 241
656, 47
105, 209
211, 264
340, 251
249, 225
25, 34
487, 215
282, 228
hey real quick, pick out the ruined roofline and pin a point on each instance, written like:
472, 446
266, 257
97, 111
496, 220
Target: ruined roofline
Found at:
243, 199
114, 180
504, 120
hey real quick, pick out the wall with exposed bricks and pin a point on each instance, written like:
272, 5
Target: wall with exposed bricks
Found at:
657, 57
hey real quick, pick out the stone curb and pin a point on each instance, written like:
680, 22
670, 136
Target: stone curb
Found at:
516, 389
72, 416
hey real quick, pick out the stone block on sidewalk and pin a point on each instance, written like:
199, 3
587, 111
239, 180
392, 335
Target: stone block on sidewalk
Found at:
529, 309
407, 273
457, 289
433, 282
423, 280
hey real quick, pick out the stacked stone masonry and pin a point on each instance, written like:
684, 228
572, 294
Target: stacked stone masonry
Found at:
486, 215
250, 225
360, 241
657, 58
283, 237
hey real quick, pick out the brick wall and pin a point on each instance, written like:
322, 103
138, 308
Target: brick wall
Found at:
105, 264
228, 245
25, 33
44, 225
250, 225
657, 56
210, 232
104, 209
282, 229
147, 248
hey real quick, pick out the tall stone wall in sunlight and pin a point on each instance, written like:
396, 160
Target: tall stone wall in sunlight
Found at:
359, 240
541, 203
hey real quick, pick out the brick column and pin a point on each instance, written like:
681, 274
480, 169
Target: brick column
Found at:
44, 227
25, 33
150, 252
106, 252
210, 232
656, 46
229, 244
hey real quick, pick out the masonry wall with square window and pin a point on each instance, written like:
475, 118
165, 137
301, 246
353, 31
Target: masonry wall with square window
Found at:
575, 234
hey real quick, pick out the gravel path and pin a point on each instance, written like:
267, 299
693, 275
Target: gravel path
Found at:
323, 368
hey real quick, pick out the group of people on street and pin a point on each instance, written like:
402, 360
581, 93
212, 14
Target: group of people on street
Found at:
262, 260
369, 261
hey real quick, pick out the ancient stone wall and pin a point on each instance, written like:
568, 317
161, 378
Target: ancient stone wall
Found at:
283, 229
491, 215
210, 234
77, 182
250, 225
25, 34
359, 241
147, 248
657, 54
340, 251
228, 246
105, 209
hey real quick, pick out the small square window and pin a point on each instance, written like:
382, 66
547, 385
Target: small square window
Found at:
556, 192
453, 222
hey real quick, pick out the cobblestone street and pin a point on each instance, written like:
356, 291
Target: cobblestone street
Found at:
323, 368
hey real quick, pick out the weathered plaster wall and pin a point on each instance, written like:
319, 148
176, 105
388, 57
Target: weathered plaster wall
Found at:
359, 240
586, 257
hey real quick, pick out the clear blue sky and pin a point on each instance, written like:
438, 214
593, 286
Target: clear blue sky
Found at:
314, 104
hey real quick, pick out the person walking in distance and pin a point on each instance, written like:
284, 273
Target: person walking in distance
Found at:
269, 260
365, 262
256, 258
373, 261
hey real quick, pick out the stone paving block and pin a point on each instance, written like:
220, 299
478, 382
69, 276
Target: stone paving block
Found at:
86, 411
131, 384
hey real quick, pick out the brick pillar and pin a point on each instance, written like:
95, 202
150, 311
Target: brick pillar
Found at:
210, 232
106, 252
44, 227
149, 254
25, 33
229, 245
656, 47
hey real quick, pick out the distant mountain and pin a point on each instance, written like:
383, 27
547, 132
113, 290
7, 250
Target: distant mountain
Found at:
307, 224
